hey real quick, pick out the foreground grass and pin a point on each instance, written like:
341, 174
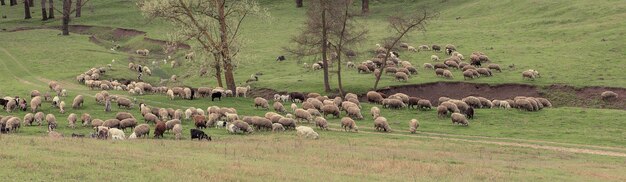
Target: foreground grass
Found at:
285, 157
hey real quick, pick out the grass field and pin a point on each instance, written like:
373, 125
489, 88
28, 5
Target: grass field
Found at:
577, 43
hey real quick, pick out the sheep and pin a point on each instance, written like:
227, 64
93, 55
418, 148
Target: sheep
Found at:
111, 123
78, 101
447, 74
287, 122
124, 102
381, 124
439, 71
330, 109
436, 48
52, 122
412, 49
39, 117
200, 121
350, 64
348, 124
62, 107
424, 104
545, 102
354, 112
485, 103
277, 127
363, 69
159, 129
524, 104
177, 129
169, 125
314, 112
55, 101
459, 118
484, 71
294, 96
307, 132
450, 106
428, 66
13, 124
393, 103
231, 117
35, 103
374, 97
321, 123
494, 67
141, 130
163, 114
29, 118
302, 114
72, 120
468, 74
150, 118
96, 122
242, 91
143, 52
243, 126
528, 74
413, 125
401, 76
609, 96
123, 115
375, 112
116, 134
261, 123
440, 65
452, 64
469, 112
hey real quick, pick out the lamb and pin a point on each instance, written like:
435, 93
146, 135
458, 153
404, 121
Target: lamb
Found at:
460, 119
424, 104
124, 102
494, 67
381, 124
609, 96
78, 101
52, 122
72, 120
413, 125
116, 134
277, 127
62, 107
128, 123
375, 112
35, 103
242, 91
331, 109
350, 64
169, 125
56, 101
348, 124
159, 129
354, 112
428, 66
303, 114
401, 76
447, 74
307, 132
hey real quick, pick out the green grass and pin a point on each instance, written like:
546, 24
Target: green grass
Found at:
562, 39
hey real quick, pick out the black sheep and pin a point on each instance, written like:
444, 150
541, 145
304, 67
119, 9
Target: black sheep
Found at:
296, 95
193, 92
469, 113
199, 134
217, 95
475, 63
280, 58
3, 102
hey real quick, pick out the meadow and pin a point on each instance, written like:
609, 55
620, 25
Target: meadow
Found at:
577, 43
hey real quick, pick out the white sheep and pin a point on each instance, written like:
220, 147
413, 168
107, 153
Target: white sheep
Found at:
116, 134
307, 132
434, 58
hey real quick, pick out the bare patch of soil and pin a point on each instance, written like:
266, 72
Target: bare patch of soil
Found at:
432, 91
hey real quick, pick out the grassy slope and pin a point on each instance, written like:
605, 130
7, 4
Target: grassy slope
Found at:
368, 157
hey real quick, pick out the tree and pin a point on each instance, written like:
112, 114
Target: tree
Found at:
50, 9
365, 6
298, 3
44, 15
2, 3
329, 23
27, 10
31, 3
401, 25
78, 7
213, 24
12, 2
67, 11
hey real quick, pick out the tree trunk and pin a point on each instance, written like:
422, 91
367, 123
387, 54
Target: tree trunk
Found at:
12, 2
218, 70
31, 3
78, 7
298, 3
365, 6
324, 47
27, 9
67, 5
44, 15
50, 10
339, 84
226, 57
2, 3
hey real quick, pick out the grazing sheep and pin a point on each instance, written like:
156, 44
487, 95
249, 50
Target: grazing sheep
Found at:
321, 123
468, 74
354, 112
439, 71
243, 126
363, 69
469, 112
434, 58
39, 117
123, 115
442, 111
374, 97
401, 76
13, 124
52, 122
331, 109
78, 101
159, 129
436, 48
169, 125
261, 123
413, 125
178, 130
150, 118
428, 66
72, 120
199, 134
116, 134
375, 112
393, 103
287, 123
546, 102
242, 91
277, 127
128, 123
124, 102
314, 112
485, 103
35, 103
141, 130
111, 123
307, 132
494, 67
424, 104
528, 74
200, 121
609, 96
447, 74
62, 107
348, 124
29, 118
484, 71
380, 123
303, 114
96, 122
459, 118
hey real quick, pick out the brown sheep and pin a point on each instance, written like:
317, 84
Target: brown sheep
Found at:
261, 102
381, 124
124, 102
544, 102
96, 122
484, 71
261, 123
159, 129
439, 72
128, 123
374, 97
123, 115
287, 123
424, 104
321, 123
243, 126
468, 74
440, 66
200, 121
609, 96
71, 119
451, 106
494, 67
78, 101
111, 123
348, 124
331, 109
35, 103
473, 101
460, 119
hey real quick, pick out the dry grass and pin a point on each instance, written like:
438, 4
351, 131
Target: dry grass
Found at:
284, 157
